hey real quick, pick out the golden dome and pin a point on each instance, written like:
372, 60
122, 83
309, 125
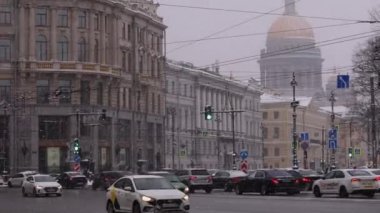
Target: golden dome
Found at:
291, 27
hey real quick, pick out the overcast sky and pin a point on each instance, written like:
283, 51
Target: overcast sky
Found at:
189, 24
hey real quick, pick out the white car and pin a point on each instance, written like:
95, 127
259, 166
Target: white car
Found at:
2, 181
19, 178
41, 185
376, 173
345, 182
145, 193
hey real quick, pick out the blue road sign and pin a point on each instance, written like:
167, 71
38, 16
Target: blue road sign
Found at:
333, 138
304, 137
77, 159
243, 154
343, 81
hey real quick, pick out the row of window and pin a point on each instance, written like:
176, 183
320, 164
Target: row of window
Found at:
276, 115
186, 90
275, 153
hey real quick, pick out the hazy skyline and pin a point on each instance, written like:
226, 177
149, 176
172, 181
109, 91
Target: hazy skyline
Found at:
191, 24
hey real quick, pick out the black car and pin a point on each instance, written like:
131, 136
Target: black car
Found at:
72, 179
305, 177
226, 179
268, 181
107, 178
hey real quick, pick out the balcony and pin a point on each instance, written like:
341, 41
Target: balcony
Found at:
71, 67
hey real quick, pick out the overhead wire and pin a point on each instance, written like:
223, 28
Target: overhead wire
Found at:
227, 28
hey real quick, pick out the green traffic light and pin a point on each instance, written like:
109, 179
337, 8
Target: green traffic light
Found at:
209, 117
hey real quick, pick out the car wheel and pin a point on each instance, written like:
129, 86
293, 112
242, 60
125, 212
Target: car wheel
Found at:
10, 184
208, 190
227, 187
317, 192
59, 195
23, 192
370, 194
238, 190
110, 207
263, 190
136, 208
343, 192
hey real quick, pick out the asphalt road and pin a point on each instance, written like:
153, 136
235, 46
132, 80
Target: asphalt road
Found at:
88, 201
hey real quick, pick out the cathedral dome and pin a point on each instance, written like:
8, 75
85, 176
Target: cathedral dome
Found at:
290, 25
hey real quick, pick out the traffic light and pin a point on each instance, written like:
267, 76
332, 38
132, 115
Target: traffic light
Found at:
208, 112
76, 146
350, 152
103, 115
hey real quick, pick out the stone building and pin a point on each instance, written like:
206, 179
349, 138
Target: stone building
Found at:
290, 47
191, 140
62, 64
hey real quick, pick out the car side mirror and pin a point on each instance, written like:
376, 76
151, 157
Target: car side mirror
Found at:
128, 188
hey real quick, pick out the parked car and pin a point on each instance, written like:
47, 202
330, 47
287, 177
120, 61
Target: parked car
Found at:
41, 185
268, 181
345, 182
72, 179
19, 178
226, 179
145, 193
376, 173
2, 183
305, 177
195, 178
107, 178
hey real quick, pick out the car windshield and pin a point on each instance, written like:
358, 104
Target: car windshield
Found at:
358, 173
200, 172
237, 174
376, 172
295, 173
152, 183
44, 179
279, 173
308, 172
115, 174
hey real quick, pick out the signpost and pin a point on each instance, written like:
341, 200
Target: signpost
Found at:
333, 139
343, 81
243, 154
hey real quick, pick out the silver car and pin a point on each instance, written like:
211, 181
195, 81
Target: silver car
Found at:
41, 185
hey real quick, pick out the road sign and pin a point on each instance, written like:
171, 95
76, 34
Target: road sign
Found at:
77, 159
333, 138
304, 137
243, 154
244, 166
76, 167
343, 81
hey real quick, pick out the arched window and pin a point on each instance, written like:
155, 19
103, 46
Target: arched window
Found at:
82, 54
41, 48
63, 49
96, 51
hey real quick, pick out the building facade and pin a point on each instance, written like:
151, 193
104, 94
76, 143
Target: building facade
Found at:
193, 141
290, 48
63, 64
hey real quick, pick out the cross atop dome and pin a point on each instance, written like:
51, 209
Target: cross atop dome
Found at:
290, 7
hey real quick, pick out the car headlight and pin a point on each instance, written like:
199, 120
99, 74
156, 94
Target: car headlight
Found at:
186, 197
59, 187
186, 190
146, 199
39, 187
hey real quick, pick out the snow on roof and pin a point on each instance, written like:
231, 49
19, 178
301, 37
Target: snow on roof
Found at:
270, 98
341, 110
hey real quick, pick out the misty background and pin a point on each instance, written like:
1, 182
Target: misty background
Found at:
186, 24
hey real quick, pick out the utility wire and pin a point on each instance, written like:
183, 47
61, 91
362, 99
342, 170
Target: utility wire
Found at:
266, 13
293, 49
263, 33
227, 28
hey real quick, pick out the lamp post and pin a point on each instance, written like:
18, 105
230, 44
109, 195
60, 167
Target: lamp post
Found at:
294, 105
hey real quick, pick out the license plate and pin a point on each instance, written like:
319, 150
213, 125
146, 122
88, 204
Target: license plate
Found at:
80, 183
169, 205
50, 190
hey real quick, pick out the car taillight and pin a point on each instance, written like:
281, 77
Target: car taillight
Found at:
306, 180
275, 181
355, 180
377, 178
192, 178
209, 179
297, 181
